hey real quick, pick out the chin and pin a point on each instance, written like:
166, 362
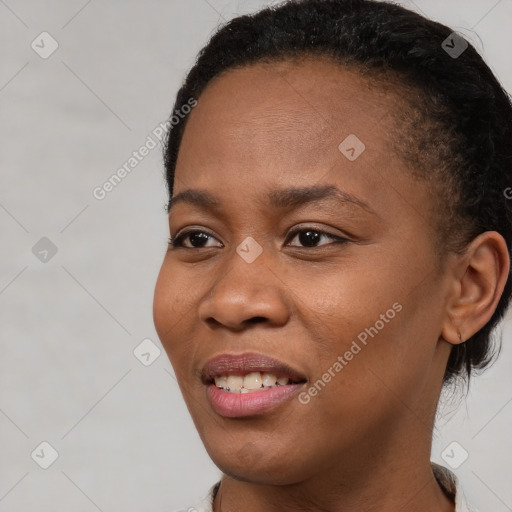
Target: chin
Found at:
255, 463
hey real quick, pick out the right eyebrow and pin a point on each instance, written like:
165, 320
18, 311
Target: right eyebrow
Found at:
196, 197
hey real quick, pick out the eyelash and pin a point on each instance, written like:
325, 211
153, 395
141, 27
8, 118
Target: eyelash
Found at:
177, 242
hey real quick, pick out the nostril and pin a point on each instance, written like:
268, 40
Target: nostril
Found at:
258, 319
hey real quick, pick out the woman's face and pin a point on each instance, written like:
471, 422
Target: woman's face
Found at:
355, 307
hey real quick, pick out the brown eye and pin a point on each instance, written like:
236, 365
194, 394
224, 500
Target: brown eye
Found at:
197, 239
307, 237
310, 237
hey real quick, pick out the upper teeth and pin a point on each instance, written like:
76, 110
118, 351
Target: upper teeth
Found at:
251, 381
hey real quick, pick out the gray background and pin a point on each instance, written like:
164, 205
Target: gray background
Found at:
69, 326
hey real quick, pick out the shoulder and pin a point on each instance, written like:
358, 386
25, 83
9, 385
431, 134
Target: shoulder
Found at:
451, 485
205, 504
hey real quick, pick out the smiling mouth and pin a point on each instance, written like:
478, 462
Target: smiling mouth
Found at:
249, 384
252, 382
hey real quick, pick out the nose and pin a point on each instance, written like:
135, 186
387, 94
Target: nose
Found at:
245, 294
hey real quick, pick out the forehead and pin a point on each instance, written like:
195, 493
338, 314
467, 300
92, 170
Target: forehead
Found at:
306, 102
301, 108
285, 123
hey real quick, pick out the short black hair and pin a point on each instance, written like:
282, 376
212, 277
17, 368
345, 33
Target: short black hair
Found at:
456, 130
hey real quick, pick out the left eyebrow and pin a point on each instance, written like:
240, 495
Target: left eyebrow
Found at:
288, 198
295, 197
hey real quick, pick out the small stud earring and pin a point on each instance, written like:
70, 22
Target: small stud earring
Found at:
460, 337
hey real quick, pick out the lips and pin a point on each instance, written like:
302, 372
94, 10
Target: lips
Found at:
254, 402
242, 364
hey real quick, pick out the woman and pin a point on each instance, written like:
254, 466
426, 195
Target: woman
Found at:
338, 252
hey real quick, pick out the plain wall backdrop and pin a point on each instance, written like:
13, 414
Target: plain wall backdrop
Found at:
77, 273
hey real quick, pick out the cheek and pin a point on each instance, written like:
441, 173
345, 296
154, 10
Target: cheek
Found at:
337, 305
174, 299
368, 327
165, 306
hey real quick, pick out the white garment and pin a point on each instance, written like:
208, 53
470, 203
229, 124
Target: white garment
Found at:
446, 478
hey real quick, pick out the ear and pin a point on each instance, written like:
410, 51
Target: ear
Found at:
478, 280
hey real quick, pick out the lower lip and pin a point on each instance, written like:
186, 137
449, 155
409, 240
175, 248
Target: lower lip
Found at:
237, 405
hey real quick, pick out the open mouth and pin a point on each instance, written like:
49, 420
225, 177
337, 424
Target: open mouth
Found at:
249, 384
253, 381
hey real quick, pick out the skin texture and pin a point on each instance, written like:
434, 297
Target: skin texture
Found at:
363, 443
